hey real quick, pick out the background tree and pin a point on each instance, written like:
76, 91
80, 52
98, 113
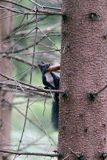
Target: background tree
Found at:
6, 68
83, 115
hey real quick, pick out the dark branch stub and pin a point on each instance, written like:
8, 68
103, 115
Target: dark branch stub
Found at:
105, 37
103, 156
93, 16
80, 157
92, 96
61, 156
65, 95
64, 17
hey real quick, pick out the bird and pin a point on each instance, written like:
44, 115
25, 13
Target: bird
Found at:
51, 81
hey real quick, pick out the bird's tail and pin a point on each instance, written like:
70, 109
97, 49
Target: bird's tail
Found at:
55, 111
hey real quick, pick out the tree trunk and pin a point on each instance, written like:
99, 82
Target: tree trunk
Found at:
5, 68
83, 115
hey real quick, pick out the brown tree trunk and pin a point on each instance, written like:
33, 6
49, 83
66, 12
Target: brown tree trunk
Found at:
5, 68
83, 119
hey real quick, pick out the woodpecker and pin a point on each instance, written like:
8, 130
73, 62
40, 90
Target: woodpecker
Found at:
51, 81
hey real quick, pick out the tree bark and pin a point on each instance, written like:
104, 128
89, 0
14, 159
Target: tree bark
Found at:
83, 115
5, 68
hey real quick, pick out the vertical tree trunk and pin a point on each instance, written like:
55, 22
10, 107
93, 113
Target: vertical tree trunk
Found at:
5, 68
83, 119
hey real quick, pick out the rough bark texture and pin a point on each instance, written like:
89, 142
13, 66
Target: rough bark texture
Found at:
5, 68
83, 122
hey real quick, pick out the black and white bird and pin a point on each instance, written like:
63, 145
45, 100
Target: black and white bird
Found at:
51, 81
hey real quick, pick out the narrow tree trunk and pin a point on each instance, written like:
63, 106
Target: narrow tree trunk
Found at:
5, 68
83, 119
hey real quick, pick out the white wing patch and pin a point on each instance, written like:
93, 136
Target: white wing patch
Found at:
49, 79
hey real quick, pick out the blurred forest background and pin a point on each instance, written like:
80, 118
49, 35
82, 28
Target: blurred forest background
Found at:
37, 36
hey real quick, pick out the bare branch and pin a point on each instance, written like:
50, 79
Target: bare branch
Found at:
20, 60
25, 86
30, 153
34, 12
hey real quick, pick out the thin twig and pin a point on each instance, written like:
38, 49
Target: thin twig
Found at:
26, 85
38, 11
28, 100
17, 4
26, 48
45, 7
101, 90
36, 125
19, 27
30, 153
20, 60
